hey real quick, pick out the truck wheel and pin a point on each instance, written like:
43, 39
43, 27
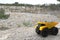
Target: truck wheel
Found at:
54, 31
37, 30
44, 32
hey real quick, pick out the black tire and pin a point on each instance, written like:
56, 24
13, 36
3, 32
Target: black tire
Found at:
37, 30
54, 31
44, 32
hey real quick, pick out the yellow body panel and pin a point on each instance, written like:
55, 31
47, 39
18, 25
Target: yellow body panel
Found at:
48, 25
35, 26
42, 27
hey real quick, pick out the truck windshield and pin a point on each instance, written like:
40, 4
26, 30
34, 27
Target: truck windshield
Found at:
42, 24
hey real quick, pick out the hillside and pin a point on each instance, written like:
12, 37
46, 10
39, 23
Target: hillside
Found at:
22, 18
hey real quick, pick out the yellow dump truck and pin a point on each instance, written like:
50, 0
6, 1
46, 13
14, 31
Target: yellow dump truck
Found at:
45, 28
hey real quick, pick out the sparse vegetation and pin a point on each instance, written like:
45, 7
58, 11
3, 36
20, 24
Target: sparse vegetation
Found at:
58, 0
17, 4
2, 15
26, 23
50, 7
4, 28
18, 25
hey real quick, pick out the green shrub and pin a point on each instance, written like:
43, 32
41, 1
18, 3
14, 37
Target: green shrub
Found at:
2, 15
4, 28
18, 25
26, 23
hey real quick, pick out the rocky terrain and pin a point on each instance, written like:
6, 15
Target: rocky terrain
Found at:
26, 19
20, 26
25, 33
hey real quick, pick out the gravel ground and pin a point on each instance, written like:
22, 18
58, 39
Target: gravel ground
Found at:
15, 30
29, 19
24, 33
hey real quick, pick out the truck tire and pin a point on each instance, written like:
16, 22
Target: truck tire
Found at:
37, 30
44, 32
54, 31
